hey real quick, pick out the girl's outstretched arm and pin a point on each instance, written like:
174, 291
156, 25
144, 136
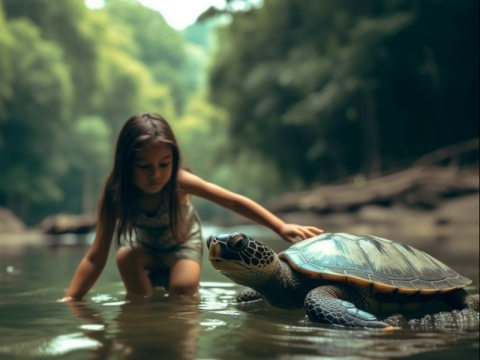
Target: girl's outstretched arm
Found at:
245, 207
92, 264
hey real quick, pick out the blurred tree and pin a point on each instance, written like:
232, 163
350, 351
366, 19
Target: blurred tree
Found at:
5, 63
328, 89
91, 160
160, 47
203, 137
70, 25
69, 78
30, 153
200, 45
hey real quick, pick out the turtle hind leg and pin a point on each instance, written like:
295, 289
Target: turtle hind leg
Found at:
248, 295
460, 300
331, 304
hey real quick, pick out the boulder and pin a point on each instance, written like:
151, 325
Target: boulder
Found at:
10, 223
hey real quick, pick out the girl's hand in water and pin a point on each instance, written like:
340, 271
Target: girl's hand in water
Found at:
68, 299
289, 232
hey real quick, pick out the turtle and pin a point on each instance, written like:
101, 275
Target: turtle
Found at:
339, 278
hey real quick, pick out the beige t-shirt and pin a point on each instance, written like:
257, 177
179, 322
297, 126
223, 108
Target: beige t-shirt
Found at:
155, 233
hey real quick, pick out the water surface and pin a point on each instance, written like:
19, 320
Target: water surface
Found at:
34, 325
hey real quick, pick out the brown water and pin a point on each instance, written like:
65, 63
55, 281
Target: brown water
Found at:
34, 325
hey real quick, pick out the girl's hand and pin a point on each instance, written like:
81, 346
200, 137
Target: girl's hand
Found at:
68, 299
289, 232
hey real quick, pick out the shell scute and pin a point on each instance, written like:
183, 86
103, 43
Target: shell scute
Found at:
311, 270
385, 260
425, 267
373, 265
295, 257
407, 285
459, 281
357, 274
444, 285
332, 251
381, 281
425, 285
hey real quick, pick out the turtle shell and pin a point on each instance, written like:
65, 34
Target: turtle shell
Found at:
372, 264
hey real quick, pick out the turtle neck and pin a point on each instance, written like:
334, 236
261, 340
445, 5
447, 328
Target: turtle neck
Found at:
286, 288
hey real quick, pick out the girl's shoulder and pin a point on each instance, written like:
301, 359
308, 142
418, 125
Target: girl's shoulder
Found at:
188, 181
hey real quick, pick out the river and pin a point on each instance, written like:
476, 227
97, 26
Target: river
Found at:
34, 325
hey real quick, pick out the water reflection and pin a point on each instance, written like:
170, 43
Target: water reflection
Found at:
142, 329
33, 325
212, 326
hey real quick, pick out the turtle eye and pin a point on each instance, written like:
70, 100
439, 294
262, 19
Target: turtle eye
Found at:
237, 244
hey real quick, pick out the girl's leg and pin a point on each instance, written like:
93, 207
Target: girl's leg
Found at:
184, 277
132, 263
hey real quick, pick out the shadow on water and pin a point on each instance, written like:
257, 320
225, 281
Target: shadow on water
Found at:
34, 325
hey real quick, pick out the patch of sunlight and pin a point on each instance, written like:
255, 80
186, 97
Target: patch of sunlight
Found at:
217, 284
66, 343
118, 303
212, 324
94, 4
228, 312
92, 327
101, 298
213, 306
47, 348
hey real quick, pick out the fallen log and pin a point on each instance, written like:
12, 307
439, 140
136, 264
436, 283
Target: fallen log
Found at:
68, 224
423, 187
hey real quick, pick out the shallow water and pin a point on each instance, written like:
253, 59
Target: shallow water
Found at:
34, 325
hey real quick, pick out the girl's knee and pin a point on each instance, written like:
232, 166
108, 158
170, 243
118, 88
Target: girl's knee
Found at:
185, 278
184, 288
127, 256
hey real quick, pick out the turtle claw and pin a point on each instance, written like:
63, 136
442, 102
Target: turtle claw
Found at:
248, 295
392, 328
379, 325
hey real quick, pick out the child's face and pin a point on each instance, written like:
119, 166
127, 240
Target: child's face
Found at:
152, 168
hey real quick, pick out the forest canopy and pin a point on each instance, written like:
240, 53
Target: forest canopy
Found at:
329, 89
264, 99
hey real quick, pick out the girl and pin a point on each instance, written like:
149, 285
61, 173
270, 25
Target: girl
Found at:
147, 195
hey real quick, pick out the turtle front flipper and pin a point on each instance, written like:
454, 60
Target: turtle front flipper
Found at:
333, 304
248, 295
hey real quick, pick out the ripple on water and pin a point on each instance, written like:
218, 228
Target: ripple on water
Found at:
213, 326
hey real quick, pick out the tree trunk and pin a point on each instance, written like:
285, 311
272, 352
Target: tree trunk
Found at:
87, 193
372, 147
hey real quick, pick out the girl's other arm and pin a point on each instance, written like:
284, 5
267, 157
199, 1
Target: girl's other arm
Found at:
92, 264
245, 207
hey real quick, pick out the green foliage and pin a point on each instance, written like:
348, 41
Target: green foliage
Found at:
160, 47
200, 45
30, 154
203, 137
95, 132
69, 81
201, 33
311, 90
5, 63
328, 89
69, 25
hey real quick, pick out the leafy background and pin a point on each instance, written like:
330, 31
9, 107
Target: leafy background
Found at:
264, 100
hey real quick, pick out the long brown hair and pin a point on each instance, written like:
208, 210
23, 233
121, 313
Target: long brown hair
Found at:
118, 203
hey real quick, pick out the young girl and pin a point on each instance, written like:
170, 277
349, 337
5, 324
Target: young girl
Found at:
147, 195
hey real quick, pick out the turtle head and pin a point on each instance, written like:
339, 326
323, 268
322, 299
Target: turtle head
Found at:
242, 259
